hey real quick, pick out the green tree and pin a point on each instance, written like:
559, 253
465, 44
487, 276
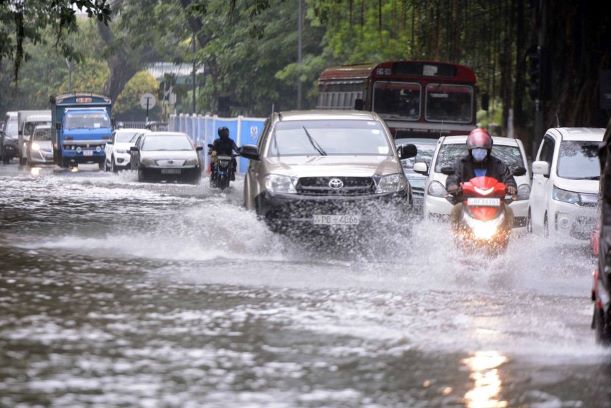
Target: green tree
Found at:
127, 105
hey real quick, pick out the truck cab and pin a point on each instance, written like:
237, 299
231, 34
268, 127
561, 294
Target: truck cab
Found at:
81, 128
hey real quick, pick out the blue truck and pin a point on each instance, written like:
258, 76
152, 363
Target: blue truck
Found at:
81, 127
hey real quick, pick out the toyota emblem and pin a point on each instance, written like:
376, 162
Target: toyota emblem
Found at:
336, 183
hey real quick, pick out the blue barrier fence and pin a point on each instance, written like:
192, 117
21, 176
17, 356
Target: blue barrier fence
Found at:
203, 130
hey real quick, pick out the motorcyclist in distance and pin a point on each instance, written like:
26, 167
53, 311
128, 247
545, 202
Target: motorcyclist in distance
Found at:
225, 146
479, 162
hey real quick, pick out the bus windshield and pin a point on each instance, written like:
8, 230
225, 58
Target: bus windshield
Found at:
90, 120
449, 103
397, 100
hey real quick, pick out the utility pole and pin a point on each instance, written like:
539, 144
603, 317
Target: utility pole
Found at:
299, 46
193, 74
539, 101
69, 75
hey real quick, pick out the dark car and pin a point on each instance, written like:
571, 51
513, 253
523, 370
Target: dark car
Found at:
166, 156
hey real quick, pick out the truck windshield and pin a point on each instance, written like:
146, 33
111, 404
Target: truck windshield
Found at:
579, 160
42, 135
329, 137
449, 103
28, 127
397, 100
90, 120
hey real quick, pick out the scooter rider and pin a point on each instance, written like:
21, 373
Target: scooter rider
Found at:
479, 162
225, 146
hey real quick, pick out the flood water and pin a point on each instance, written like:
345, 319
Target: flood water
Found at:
119, 293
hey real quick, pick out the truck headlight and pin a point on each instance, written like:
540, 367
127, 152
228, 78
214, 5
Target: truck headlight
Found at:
391, 183
436, 189
523, 192
565, 196
276, 183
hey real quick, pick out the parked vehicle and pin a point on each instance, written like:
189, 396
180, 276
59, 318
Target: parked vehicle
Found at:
426, 148
221, 174
28, 120
483, 224
566, 176
449, 149
326, 169
167, 156
81, 127
10, 143
39, 149
117, 153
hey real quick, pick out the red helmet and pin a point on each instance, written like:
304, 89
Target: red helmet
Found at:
479, 138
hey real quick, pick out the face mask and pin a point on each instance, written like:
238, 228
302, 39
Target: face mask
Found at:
479, 154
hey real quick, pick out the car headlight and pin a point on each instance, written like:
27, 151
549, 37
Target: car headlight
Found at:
35, 146
436, 189
391, 183
275, 183
523, 192
191, 162
565, 196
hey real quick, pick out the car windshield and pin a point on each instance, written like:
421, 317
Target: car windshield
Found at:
329, 137
29, 127
125, 137
578, 160
425, 152
81, 120
167, 142
449, 153
42, 135
397, 100
449, 103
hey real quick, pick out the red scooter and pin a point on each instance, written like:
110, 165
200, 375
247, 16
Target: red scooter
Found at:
483, 222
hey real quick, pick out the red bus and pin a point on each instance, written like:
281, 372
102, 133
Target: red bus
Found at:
415, 98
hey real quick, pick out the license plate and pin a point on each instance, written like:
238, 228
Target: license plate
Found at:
87, 152
322, 219
484, 202
170, 171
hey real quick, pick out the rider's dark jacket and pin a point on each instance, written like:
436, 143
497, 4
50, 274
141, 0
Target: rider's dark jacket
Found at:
464, 170
224, 146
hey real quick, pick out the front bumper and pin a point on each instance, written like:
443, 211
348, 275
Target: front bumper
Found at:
284, 211
572, 220
84, 156
440, 208
171, 173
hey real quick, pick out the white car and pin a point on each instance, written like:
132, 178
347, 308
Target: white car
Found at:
449, 149
566, 176
117, 150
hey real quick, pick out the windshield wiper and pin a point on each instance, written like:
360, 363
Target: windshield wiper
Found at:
314, 143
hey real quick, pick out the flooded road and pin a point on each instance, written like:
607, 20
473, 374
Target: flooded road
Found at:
119, 293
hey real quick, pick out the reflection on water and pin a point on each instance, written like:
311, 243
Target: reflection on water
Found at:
484, 367
35, 171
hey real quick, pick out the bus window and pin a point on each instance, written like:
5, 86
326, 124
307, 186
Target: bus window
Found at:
449, 103
397, 100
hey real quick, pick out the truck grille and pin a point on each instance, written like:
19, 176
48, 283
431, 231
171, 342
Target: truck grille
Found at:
322, 186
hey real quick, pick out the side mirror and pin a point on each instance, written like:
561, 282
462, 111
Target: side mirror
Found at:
133, 149
485, 101
421, 168
447, 170
519, 171
358, 104
541, 167
250, 152
199, 148
407, 151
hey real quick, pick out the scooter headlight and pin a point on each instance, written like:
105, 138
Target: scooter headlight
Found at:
485, 230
